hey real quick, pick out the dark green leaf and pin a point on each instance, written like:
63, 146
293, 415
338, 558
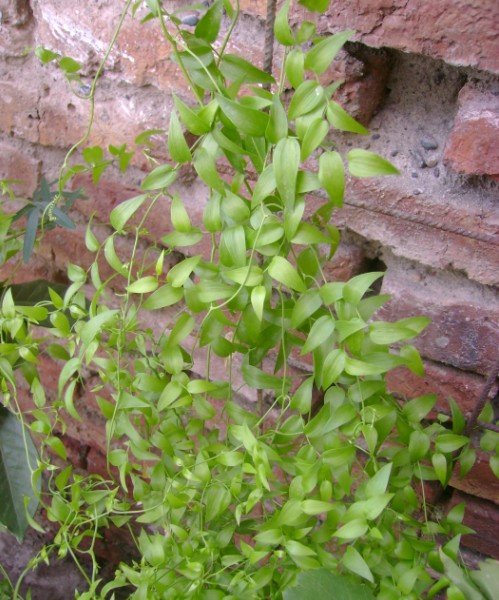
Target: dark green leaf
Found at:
15, 475
248, 120
236, 68
321, 584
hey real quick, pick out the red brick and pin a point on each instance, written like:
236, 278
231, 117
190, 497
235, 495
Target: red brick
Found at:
461, 32
483, 517
19, 164
19, 115
444, 381
480, 481
349, 260
16, 33
473, 147
463, 331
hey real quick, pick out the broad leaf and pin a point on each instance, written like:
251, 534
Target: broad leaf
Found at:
15, 475
322, 55
362, 163
321, 584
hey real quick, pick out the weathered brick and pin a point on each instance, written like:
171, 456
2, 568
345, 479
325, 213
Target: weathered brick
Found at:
473, 148
480, 481
483, 517
463, 331
18, 163
16, 31
444, 381
461, 32
19, 116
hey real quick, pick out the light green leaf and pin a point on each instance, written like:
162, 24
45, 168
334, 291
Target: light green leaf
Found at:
248, 120
282, 30
352, 530
278, 122
177, 146
248, 276
286, 161
265, 186
316, 507
307, 98
450, 442
179, 274
162, 297
193, 122
258, 296
144, 285
284, 272
340, 119
322, 54
179, 216
205, 167
306, 305
294, 67
313, 138
302, 398
378, 484
362, 163
319, 333
123, 212
159, 178
236, 68
355, 563
355, 289
332, 176
95, 325
209, 24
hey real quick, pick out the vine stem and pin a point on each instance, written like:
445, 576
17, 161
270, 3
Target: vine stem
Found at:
268, 56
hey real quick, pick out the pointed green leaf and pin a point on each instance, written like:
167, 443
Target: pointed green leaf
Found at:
192, 121
313, 138
159, 178
236, 68
179, 216
340, 119
209, 24
319, 333
283, 271
282, 30
179, 274
362, 163
307, 98
163, 296
95, 325
278, 122
122, 213
205, 166
354, 562
322, 54
248, 120
258, 296
294, 67
286, 161
144, 285
177, 146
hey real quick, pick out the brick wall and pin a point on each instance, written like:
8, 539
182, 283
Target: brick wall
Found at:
422, 75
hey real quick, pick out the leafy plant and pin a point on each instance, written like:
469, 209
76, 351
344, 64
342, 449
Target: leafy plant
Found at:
233, 481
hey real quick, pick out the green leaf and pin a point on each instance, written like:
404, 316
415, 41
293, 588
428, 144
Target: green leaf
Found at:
486, 577
302, 398
95, 325
217, 500
416, 410
332, 176
248, 120
306, 305
355, 289
167, 295
194, 122
352, 530
236, 68
313, 138
179, 274
355, 563
419, 444
283, 271
179, 216
384, 333
258, 296
378, 484
295, 67
144, 285
15, 475
319, 333
69, 65
204, 164
307, 98
282, 30
248, 276
315, 5
319, 584
286, 161
278, 123
340, 119
439, 463
316, 507
322, 54
46, 55
177, 146
450, 442
259, 380
159, 178
264, 187
121, 214
362, 163
209, 24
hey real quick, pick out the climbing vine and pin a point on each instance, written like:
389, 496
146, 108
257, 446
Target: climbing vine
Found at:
320, 482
